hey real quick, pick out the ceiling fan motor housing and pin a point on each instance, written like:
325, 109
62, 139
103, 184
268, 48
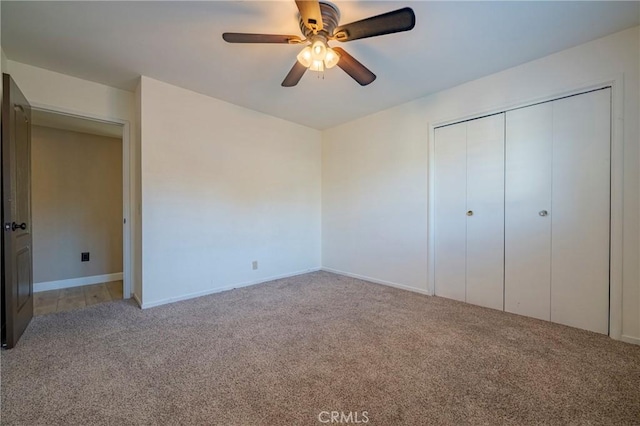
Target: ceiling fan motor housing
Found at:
330, 18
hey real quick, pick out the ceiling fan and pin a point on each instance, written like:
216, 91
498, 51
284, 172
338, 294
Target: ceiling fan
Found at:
319, 25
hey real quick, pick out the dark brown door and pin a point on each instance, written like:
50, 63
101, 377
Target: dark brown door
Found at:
17, 279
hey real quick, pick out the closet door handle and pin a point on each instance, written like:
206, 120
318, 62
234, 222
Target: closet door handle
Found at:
543, 212
470, 213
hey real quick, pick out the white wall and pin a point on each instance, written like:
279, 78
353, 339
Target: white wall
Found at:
374, 199
223, 186
375, 169
64, 93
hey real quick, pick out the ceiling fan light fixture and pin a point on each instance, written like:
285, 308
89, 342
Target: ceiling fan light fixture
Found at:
318, 56
317, 65
304, 57
318, 50
331, 58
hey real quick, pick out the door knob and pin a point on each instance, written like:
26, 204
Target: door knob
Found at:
470, 213
543, 212
15, 226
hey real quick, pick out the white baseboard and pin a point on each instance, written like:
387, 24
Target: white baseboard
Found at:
75, 282
221, 289
629, 339
377, 281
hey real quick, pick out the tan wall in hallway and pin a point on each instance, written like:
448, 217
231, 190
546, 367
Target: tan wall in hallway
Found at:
76, 204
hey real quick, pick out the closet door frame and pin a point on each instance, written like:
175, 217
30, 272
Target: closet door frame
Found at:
617, 159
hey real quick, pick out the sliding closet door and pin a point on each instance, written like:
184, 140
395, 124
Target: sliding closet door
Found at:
581, 207
450, 204
529, 146
485, 211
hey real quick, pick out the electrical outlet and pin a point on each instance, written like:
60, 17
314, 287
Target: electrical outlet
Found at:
254, 265
84, 257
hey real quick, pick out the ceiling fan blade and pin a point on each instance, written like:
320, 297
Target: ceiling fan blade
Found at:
310, 13
387, 23
294, 75
355, 69
260, 38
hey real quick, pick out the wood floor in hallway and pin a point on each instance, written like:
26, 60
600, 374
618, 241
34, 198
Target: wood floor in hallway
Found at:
66, 299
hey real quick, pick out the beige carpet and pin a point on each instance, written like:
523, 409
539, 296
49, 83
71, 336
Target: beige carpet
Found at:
280, 353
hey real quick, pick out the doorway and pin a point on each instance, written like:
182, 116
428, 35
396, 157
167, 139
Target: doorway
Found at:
77, 204
80, 170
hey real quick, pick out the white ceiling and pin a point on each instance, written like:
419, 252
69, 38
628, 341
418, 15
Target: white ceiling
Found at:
180, 43
75, 124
